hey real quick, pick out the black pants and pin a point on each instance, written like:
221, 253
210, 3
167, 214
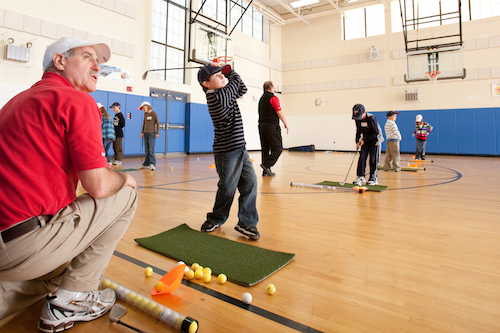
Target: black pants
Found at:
271, 143
374, 152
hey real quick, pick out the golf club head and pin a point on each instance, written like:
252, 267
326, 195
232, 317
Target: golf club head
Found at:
117, 311
145, 75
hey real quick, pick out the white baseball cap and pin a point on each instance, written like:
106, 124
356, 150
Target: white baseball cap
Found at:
419, 118
68, 43
144, 103
99, 105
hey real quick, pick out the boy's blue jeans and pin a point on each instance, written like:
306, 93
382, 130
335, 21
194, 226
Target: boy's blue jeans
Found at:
235, 171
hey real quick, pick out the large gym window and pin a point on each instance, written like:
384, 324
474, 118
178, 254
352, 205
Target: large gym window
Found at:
251, 23
364, 22
471, 10
168, 33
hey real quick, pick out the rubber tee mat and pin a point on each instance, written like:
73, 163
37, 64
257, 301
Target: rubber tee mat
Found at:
243, 264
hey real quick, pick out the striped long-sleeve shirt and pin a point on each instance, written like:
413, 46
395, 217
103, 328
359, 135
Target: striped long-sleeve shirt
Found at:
423, 132
391, 131
226, 116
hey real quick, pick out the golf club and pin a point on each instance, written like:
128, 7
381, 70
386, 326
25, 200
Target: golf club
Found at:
117, 311
145, 75
343, 183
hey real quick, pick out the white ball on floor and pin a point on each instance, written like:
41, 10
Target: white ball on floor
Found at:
247, 298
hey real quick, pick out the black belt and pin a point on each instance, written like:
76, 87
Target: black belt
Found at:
24, 227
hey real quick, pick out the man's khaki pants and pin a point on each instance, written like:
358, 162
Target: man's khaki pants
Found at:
71, 251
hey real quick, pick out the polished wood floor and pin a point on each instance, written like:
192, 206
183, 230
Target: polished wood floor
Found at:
422, 256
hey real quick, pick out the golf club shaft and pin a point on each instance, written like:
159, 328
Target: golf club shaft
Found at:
350, 166
131, 327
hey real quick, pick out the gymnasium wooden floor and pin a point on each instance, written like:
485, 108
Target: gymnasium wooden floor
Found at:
422, 256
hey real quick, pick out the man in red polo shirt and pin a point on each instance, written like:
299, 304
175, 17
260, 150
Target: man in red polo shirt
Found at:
53, 243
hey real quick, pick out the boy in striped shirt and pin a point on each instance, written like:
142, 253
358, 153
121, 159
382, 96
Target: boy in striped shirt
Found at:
222, 87
393, 137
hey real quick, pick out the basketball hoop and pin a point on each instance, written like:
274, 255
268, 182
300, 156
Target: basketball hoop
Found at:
223, 60
433, 76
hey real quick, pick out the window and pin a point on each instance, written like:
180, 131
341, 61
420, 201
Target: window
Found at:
364, 22
471, 10
168, 40
484, 8
251, 23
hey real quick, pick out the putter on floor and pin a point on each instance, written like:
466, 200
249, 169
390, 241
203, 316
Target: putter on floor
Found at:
117, 311
343, 183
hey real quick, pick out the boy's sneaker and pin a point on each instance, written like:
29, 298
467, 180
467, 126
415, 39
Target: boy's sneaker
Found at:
152, 167
142, 166
58, 316
372, 181
360, 180
117, 162
249, 231
209, 226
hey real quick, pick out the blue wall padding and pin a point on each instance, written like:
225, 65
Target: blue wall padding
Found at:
456, 131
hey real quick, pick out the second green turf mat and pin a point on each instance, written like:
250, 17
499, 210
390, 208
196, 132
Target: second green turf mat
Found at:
375, 188
243, 264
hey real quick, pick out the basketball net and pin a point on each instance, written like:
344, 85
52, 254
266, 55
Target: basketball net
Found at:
433, 76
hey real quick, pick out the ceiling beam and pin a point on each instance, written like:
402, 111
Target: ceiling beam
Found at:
334, 4
268, 12
290, 9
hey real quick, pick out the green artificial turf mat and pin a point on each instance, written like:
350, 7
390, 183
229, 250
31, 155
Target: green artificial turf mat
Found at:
126, 169
242, 263
405, 169
375, 188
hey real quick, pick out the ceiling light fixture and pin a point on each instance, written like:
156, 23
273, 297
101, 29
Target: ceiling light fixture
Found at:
302, 3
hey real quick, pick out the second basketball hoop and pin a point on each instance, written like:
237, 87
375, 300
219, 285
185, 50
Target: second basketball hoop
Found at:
433, 75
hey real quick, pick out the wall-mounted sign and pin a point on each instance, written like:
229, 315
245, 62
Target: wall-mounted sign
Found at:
114, 74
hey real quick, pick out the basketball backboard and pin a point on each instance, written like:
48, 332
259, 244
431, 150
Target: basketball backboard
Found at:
209, 45
449, 61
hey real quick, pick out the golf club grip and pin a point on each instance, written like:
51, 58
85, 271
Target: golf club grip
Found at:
131, 327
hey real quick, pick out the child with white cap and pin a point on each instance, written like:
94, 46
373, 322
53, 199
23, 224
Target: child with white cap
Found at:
422, 129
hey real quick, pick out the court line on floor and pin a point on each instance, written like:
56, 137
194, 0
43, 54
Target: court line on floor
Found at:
228, 299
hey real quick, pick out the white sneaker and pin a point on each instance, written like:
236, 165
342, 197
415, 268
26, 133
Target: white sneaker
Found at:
58, 316
372, 182
117, 162
360, 180
142, 167
152, 167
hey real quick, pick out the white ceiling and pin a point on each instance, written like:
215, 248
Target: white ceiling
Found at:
280, 11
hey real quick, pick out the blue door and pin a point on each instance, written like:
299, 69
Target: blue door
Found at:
176, 123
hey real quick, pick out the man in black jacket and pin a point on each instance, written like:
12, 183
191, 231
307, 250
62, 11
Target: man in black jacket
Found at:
269, 128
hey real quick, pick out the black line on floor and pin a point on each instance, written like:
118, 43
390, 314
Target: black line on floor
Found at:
233, 301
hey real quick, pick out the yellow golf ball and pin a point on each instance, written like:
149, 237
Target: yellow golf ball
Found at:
207, 270
148, 271
195, 266
130, 296
207, 277
271, 289
136, 299
157, 311
149, 307
113, 286
159, 286
198, 274
190, 274
143, 303
193, 327
105, 284
222, 278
